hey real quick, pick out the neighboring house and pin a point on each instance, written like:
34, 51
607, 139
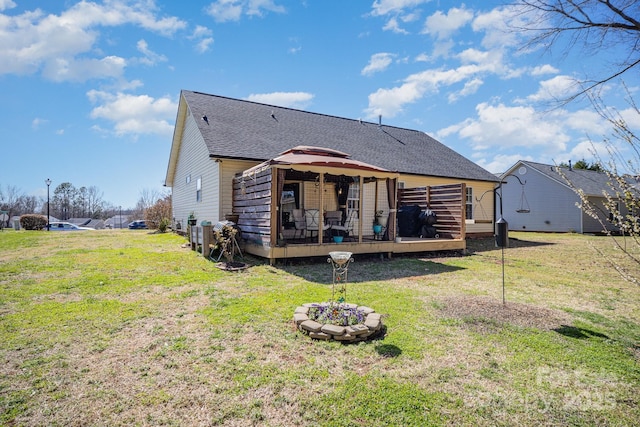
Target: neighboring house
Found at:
117, 221
537, 197
217, 139
98, 224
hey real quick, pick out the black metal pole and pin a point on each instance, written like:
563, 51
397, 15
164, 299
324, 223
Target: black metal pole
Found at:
48, 182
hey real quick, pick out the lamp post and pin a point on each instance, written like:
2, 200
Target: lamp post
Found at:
48, 182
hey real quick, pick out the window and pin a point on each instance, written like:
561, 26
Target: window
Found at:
199, 189
615, 214
469, 203
188, 179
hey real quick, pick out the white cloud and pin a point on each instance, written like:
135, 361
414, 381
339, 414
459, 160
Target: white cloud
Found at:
541, 70
6, 4
377, 63
296, 45
299, 100
556, 88
393, 26
390, 102
35, 123
225, 10
498, 25
504, 126
204, 45
33, 42
134, 114
512, 130
150, 57
383, 7
442, 26
202, 36
588, 150
79, 70
469, 88
201, 31
232, 10
587, 122
256, 7
500, 162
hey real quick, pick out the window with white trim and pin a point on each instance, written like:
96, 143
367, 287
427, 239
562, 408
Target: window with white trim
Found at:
469, 203
199, 189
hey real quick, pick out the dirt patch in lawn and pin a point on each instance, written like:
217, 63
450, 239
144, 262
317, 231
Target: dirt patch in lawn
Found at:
485, 312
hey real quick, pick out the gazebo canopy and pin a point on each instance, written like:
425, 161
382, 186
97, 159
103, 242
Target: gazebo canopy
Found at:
321, 160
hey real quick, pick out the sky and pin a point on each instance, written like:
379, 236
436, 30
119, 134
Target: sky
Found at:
89, 89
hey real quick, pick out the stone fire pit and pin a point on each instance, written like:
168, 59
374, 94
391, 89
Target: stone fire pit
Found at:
368, 329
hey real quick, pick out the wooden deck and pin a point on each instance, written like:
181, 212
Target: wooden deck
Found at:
406, 245
202, 238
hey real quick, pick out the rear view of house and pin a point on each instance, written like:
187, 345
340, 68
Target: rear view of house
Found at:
262, 165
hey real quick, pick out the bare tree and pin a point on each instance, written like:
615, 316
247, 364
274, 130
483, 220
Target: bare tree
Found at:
10, 200
597, 27
95, 204
593, 26
28, 204
148, 198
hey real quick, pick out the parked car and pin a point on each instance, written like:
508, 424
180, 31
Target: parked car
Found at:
67, 226
135, 225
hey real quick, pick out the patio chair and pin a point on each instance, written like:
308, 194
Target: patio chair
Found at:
300, 223
347, 228
312, 218
333, 218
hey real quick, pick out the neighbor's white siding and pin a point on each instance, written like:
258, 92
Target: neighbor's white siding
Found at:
552, 205
592, 225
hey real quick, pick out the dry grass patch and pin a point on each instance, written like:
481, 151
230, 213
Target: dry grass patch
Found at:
478, 310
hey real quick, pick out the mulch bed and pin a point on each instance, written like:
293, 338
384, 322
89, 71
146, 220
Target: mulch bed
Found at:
232, 266
489, 311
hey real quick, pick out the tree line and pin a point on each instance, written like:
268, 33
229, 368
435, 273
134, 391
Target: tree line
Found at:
68, 201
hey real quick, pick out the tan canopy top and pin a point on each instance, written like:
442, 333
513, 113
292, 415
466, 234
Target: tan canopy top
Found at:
318, 159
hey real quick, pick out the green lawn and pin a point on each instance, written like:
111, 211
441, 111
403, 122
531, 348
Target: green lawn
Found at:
130, 328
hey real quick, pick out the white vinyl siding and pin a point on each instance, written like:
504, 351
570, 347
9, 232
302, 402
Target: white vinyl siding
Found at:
194, 162
552, 206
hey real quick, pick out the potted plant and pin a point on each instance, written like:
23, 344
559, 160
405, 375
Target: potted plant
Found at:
192, 219
377, 222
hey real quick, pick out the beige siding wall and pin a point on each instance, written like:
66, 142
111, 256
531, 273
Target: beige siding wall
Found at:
228, 170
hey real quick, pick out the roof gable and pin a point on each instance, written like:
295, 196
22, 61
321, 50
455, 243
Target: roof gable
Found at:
233, 128
592, 183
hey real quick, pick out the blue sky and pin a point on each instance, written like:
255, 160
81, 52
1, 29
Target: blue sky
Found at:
89, 90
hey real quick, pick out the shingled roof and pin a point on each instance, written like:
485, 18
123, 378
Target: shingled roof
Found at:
592, 183
239, 129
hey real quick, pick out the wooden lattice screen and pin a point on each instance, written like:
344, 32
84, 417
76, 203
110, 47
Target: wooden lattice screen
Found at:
447, 201
252, 203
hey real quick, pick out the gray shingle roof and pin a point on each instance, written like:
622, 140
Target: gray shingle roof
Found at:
591, 182
243, 129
